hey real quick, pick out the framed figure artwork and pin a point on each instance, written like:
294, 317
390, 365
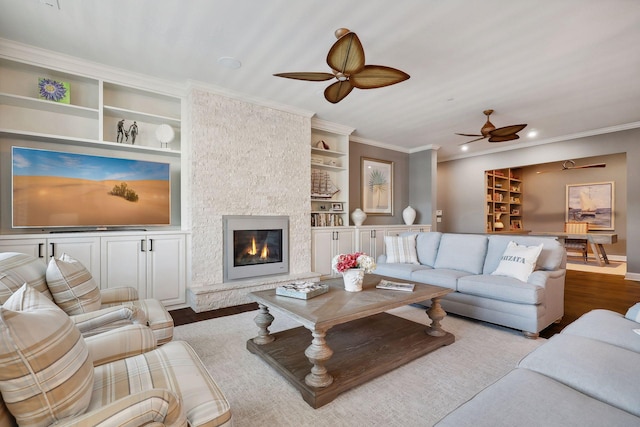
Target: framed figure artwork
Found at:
376, 184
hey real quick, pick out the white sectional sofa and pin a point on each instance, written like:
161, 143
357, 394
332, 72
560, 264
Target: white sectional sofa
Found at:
465, 263
585, 376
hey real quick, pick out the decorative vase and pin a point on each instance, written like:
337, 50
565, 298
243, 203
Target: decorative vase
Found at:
358, 216
353, 278
498, 225
409, 215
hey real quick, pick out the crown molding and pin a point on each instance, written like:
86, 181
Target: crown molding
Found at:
92, 70
218, 90
320, 124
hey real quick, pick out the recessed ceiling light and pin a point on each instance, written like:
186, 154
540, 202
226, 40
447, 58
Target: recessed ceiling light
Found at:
464, 147
229, 62
532, 133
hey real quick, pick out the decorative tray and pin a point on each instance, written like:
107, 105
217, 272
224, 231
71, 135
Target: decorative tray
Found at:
302, 290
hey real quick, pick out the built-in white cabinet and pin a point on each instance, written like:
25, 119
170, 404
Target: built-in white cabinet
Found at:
326, 243
84, 249
153, 264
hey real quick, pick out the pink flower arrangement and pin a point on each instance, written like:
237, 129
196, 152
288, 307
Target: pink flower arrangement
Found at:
344, 262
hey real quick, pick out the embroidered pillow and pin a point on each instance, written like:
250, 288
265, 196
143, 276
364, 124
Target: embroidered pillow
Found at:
401, 249
47, 373
518, 261
72, 286
634, 313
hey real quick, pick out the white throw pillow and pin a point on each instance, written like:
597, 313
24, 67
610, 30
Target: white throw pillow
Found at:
518, 261
401, 249
634, 313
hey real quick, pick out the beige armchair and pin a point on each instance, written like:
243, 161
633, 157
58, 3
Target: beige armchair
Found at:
70, 285
54, 376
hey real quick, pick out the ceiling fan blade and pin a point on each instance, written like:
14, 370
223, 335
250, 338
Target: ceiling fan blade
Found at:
469, 134
595, 165
346, 55
473, 140
337, 91
505, 138
507, 130
310, 76
374, 76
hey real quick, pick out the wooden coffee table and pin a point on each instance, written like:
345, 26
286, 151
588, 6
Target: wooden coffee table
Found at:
363, 341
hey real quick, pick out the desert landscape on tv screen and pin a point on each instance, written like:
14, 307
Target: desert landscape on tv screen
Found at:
57, 189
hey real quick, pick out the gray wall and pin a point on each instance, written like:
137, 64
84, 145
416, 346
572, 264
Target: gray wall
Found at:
400, 181
461, 183
423, 167
544, 199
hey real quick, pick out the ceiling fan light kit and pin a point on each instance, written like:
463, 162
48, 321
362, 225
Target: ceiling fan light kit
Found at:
502, 134
347, 62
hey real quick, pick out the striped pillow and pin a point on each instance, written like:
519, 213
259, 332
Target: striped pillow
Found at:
72, 286
16, 269
401, 249
47, 373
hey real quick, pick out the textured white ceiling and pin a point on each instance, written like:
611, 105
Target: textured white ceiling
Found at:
565, 67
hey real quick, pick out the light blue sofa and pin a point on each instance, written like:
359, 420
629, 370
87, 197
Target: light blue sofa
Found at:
464, 263
585, 376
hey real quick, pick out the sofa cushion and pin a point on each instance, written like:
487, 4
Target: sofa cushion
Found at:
401, 249
501, 288
438, 276
551, 257
518, 261
47, 373
400, 271
526, 398
599, 370
607, 326
72, 286
464, 252
427, 247
16, 269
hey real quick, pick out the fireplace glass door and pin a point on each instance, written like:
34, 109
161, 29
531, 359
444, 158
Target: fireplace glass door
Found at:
252, 247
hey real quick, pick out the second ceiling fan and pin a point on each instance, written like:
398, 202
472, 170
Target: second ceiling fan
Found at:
502, 134
346, 59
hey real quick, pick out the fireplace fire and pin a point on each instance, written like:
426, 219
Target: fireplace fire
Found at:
255, 246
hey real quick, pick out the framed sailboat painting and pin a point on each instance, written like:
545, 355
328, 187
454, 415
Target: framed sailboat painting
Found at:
592, 203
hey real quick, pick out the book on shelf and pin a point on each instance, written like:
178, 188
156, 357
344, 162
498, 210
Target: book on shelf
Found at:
395, 286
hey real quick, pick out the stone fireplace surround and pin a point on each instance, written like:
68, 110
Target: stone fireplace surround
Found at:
242, 159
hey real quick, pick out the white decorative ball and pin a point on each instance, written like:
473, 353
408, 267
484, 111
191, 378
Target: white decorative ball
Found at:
165, 134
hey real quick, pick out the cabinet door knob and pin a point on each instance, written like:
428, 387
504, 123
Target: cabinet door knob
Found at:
143, 245
150, 245
52, 247
40, 246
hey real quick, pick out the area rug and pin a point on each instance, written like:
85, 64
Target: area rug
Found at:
614, 267
417, 394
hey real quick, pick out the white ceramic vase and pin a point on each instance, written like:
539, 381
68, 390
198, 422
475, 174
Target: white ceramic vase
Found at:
498, 225
353, 278
409, 215
358, 216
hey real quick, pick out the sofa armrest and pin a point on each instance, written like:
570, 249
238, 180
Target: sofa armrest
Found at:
118, 295
150, 407
541, 277
110, 316
120, 343
382, 259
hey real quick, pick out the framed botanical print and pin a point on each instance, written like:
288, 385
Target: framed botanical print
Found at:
591, 203
376, 183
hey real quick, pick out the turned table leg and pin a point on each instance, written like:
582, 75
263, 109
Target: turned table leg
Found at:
436, 314
263, 319
318, 353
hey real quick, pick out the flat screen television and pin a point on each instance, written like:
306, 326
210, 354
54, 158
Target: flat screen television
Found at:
61, 189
